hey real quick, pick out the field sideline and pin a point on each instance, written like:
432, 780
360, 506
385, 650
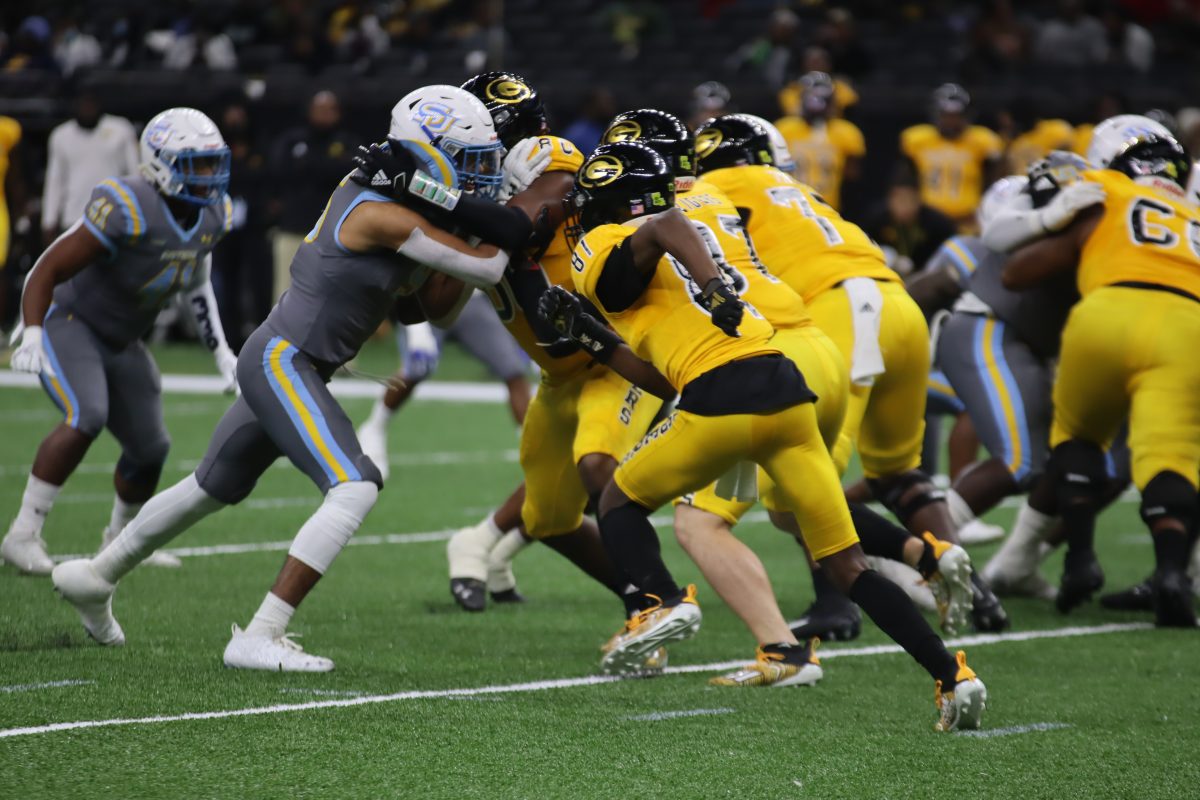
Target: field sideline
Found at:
430, 702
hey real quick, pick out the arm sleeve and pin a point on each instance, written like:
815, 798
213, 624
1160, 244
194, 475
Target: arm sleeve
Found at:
1013, 227
202, 305
505, 227
620, 283
478, 271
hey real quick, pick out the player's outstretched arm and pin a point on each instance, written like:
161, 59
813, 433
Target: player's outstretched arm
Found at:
1020, 223
1045, 258
202, 305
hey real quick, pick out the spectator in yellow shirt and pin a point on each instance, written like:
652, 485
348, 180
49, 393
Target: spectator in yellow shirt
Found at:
828, 151
817, 59
10, 135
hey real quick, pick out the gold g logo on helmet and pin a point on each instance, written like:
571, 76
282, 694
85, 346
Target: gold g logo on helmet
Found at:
600, 171
506, 90
626, 130
707, 141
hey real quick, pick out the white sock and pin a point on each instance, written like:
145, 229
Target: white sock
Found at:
468, 550
122, 514
500, 576
163, 517
35, 505
1031, 528
492, 527
272, 618
960, 512
380, 414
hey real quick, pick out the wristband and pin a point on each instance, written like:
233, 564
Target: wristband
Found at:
597, 341
432, 192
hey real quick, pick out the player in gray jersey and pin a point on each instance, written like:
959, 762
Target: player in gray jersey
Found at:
364, 250
90, 298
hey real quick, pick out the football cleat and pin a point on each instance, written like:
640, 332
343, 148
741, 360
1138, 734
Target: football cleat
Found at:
962, 708
951, 585
247, 651
1139, 597
26, 552
987, 614
469, 593
979, 532
1173, 605
1082, 577
373, 438
159, 558
797, 665
648, 630
507, 596
78, 584
467, 552
832, 618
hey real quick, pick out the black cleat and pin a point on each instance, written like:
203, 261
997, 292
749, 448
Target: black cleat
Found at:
830, 619
1082, 577
986, 612
508, 596
1139, 597
1173, 606
469, 593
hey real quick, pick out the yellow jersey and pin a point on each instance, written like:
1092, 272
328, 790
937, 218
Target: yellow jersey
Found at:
665, 325
10, 135
791, 97
950, 171
1144, 236
821, 152
1081, 140
719, 224
555, 261
1035, 143
798, 236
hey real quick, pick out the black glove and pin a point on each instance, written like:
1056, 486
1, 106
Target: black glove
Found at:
385, 168
723, 304
565, 313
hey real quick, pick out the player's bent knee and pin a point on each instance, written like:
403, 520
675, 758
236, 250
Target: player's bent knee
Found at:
844, 567
906, 494
1078, 469
143, 463
595, 471
692, 524
329, 529
1169, 496
611, 498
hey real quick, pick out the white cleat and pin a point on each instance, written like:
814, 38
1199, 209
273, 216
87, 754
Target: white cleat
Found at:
373, 439
907, 579
979, 532
26, 552
961, 709
248, 651
159, 558
951, 585
632, 649
91, 595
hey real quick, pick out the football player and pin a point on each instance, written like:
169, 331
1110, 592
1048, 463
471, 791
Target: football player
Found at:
828, 150
653, 276
1126, 352
143, 240
364, 249
954, 161
881, 333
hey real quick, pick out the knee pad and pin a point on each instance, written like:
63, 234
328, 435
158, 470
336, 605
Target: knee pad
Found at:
906, 494
1079, 472
144, 465
328, 530
1169, 495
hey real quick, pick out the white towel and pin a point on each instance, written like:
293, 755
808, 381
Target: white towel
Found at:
866, 307
740, 483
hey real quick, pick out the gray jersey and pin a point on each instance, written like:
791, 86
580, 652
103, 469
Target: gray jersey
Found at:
1036, 315
151, 258
338, 298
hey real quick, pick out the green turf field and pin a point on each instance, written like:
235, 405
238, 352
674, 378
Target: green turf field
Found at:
1104, 715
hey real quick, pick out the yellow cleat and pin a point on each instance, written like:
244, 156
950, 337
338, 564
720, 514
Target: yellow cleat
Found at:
630, 651
798, 668
962, 708
951, 585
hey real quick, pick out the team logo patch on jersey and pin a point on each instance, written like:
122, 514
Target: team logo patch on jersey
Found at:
434, 118
625, 131
707, 141
506, 90
600, 171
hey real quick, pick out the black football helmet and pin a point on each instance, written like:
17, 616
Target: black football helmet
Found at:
664, 133
1155, 156
616, 183
516, 109
733, 140
1051, 173
950, 98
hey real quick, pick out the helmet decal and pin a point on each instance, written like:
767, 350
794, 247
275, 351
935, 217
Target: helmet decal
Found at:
434, 118
707, 141
506, 90
628, 130
600, 171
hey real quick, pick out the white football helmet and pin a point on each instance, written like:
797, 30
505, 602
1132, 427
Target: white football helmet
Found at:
1193, 187
185, 156
1115, 135
999, 196
779, 148
458, 124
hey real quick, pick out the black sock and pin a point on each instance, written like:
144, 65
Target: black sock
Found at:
1079, 527
880, 537
928, 563
633, 546
1171, 549
823, 587
792, 653
891, 609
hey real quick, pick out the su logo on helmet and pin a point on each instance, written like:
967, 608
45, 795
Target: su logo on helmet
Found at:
707, 141
600, 171
506, 90
435, 118
624, 131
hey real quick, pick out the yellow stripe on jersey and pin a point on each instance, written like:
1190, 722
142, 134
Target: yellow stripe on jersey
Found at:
302, 411
64, 401
131, 209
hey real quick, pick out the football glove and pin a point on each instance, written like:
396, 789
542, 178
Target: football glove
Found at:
421, 352
1069, 201
565, 313
722, 303
523, 165
31, 356
227, 367
393, 171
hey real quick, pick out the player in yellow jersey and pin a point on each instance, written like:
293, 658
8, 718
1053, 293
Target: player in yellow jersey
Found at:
954, 160
1128, 351
10, 135
828, 150
862, 305
657, 284
1041, 138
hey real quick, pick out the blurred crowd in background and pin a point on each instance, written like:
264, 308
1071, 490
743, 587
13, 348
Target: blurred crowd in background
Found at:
295, 86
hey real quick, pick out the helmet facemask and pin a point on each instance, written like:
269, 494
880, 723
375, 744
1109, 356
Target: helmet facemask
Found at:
199, 177
479, 167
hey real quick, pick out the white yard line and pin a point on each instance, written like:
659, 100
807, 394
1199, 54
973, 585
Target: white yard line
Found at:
695, 712
1013, 730
531, 686
33, 687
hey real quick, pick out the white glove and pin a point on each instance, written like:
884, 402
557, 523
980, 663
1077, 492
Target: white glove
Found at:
523, 165
1069, 201
227, 366
31, 356
421, 352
